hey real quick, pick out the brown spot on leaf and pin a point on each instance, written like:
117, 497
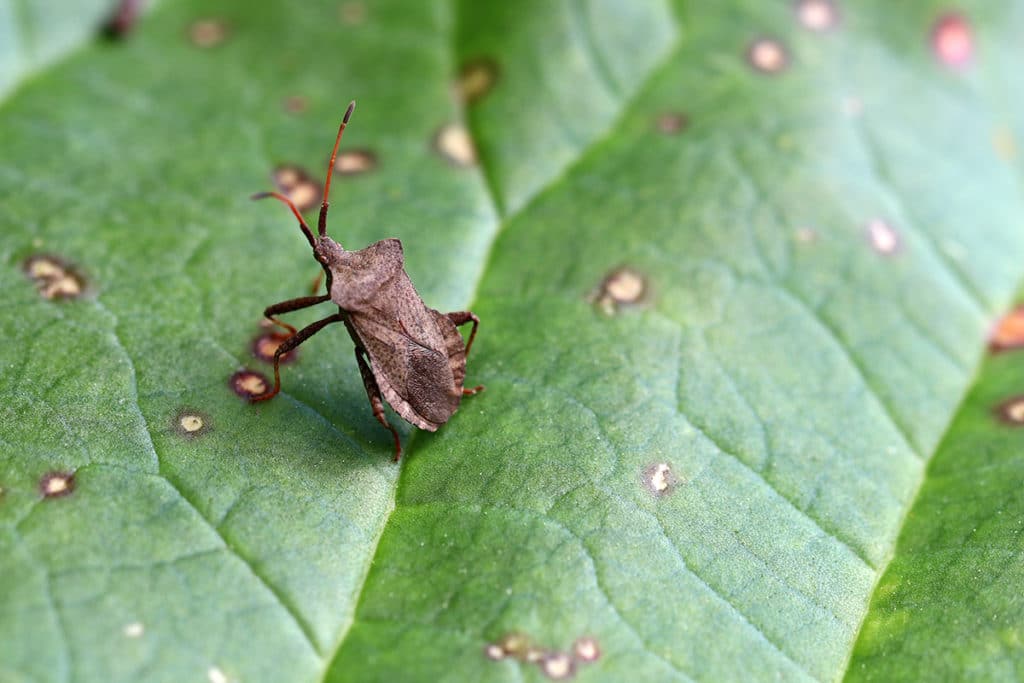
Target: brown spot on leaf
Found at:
558, 666
207, 33
514, 644
298, 185
494, 652
53, 277
190, 423
882, 237
953, 40
586, 649
1004, 143
659, 479
454, 143
265, 345
134, 630
295, 104
355, 161
817, 15
672, 122
477, 77
352, 13
623, 286
768, 55
1011, 411
1008, 332
249, 384
57, 484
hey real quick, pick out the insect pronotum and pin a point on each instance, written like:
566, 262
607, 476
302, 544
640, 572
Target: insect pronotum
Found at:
408, 352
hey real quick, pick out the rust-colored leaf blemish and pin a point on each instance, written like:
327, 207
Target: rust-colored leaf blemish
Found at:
122, 20
952, 40
355, 161
352, 13
208, 32
1011, 411
53, 277
454, 143
671, 122
298, 185
586, 649
57, 484
249, 384
190, 424
1004, 143
136, 629
882, 237
295, 104
1008, 332
265, 345
494, 652
659, 478
477, 77
817, 15
623, 286
768, 55
558, 666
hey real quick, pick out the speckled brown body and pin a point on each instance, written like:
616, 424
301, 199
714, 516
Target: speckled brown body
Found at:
411, 354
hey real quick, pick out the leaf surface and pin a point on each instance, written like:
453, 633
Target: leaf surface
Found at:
708, 482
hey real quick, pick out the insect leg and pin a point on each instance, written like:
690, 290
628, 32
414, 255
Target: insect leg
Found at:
292, 305
289, 344
461, 318
376, 403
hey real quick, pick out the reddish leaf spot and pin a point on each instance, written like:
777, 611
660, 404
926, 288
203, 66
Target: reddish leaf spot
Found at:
355, 161
454, 143
953, 40
295, 104
659, 479
352, 13
190, 423
623, 286
672, 122
207, 33
817, 15
768, 56
53, 277
586, 649
1008, 332
882, 237
298, 185
1011, 411
558, 666
265, 345
249, 384
57, 484
477, 77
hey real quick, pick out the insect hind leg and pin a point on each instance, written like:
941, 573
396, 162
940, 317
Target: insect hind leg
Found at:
376, 402
460, 318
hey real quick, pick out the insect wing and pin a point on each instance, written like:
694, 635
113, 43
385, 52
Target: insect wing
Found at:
416, 380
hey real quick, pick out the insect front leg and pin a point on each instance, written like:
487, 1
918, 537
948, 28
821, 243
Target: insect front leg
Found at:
289, 344
459, 318
376, 403
292, 305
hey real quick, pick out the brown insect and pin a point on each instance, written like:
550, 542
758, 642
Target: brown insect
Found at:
417, 357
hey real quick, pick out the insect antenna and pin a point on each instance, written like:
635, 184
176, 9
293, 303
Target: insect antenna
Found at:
322, 223
302, 223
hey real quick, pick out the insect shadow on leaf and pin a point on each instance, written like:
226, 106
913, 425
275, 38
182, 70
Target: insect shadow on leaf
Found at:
408, 353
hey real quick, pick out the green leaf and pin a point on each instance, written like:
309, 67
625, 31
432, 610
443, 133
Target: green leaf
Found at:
709, 482
949, 604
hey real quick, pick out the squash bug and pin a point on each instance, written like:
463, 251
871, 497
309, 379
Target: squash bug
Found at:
410, 353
